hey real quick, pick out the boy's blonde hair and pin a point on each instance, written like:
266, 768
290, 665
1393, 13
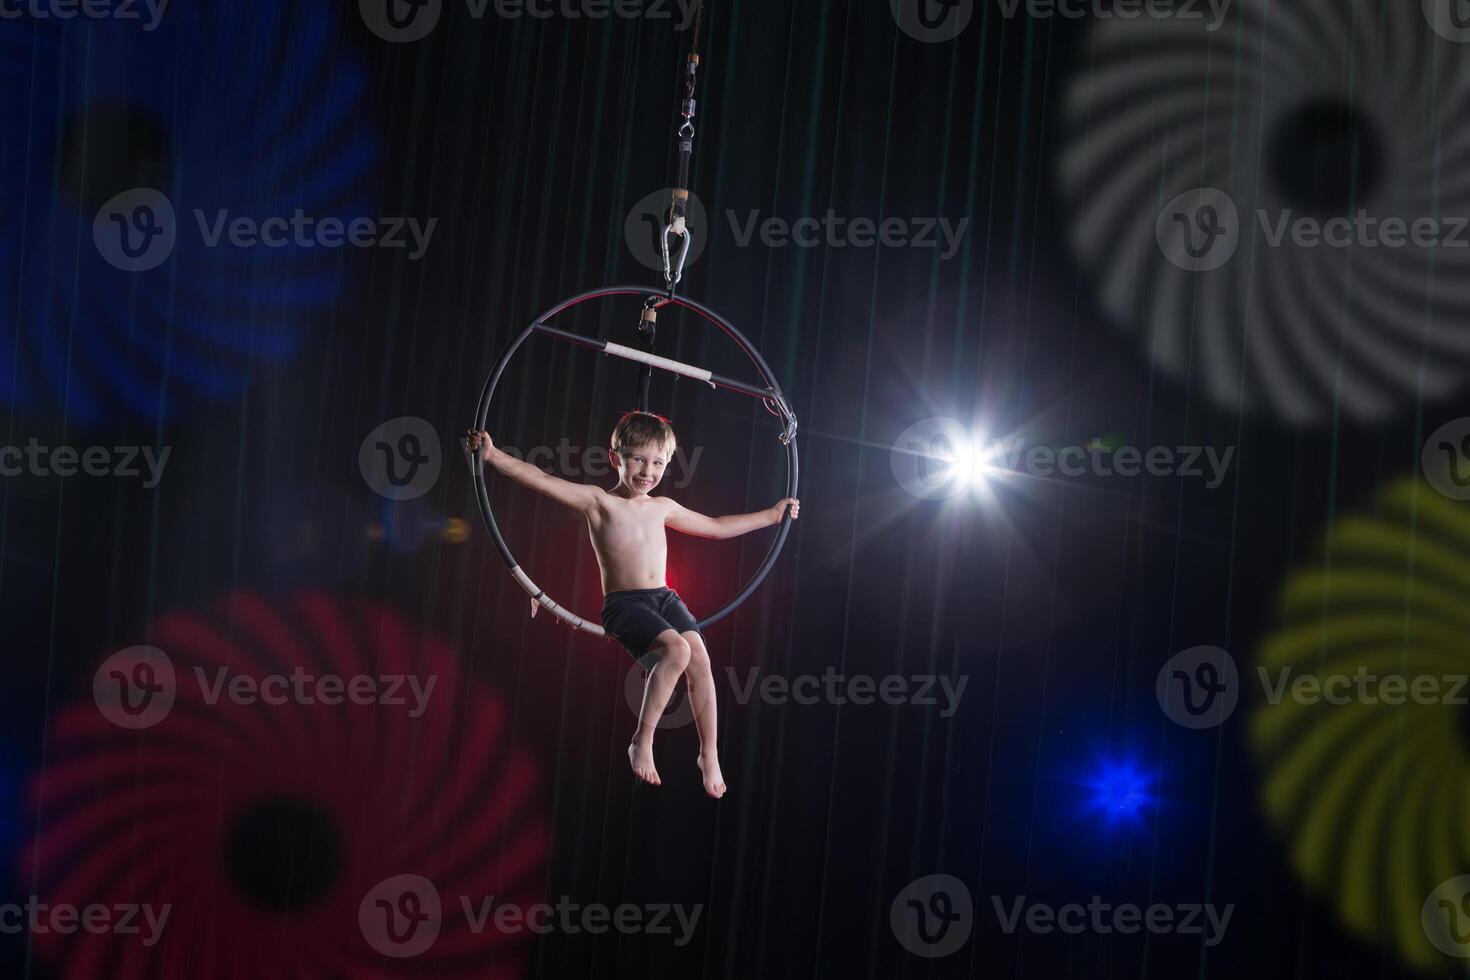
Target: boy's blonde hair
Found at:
636, 429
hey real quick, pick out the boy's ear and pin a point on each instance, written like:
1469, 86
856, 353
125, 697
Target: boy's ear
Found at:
614, 459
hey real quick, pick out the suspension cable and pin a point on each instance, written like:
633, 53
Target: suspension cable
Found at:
678, 226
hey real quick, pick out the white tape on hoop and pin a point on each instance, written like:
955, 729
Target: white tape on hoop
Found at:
643, 357
546, 602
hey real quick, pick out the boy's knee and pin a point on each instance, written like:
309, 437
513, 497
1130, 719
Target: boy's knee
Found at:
675, 652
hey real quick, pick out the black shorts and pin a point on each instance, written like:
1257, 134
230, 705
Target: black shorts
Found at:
635, 617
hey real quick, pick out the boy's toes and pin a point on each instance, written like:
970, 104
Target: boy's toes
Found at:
714, 780
640, 759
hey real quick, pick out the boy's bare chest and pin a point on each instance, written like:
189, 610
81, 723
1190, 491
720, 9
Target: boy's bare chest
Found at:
629, 524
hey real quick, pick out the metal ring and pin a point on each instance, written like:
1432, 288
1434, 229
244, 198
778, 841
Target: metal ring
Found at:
482, 412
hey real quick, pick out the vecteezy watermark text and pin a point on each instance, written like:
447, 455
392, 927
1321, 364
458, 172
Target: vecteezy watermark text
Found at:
937, 21
86, 9
64, 919
938, 457
1363, 686
571, 917
834, 231
1201, 229
402, 916
405, 21
1101, 918
301, 687
305, 231
1095, 459
1200, 687
64, 461
138, 229
643, 229
573, 462
859, 689
829, 687
1121, 9
137, 687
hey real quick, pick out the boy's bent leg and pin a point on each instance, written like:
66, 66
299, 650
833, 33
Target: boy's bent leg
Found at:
706, 716
673, 655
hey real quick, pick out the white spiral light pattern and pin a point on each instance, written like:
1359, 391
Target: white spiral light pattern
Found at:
1348, 113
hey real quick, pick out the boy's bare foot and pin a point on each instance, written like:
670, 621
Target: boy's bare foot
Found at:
640, 757
714, 780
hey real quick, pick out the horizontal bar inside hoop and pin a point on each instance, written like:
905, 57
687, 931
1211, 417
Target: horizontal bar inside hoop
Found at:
551, 606
660, 362
567, 335
643, 357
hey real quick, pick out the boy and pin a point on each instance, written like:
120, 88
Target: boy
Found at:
639, 610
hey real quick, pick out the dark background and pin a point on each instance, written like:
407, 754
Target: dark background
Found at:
530, 140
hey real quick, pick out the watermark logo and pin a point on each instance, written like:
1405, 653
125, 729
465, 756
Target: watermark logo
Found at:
1199, 687
1199, 230
677, 713
932, 21
88, 9
643, 229
1450, 19
401, 21
135, 688
932, 916
401, 458
136, 230
1446, 459
1446, 917
931, 458
401, 916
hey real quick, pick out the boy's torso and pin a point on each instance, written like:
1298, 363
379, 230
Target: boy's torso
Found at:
630, 542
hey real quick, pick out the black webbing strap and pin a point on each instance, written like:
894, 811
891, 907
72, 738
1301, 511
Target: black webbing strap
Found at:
647, 333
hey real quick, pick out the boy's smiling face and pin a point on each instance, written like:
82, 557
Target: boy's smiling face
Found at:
640, 468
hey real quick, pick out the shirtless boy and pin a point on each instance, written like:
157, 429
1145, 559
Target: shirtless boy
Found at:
639, 610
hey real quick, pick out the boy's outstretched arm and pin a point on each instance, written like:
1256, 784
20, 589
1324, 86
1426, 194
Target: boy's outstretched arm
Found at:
578, 496
681, 518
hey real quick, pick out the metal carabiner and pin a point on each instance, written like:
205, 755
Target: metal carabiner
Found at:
673, 273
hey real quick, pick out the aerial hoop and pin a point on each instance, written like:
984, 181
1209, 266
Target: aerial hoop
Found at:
767, 390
